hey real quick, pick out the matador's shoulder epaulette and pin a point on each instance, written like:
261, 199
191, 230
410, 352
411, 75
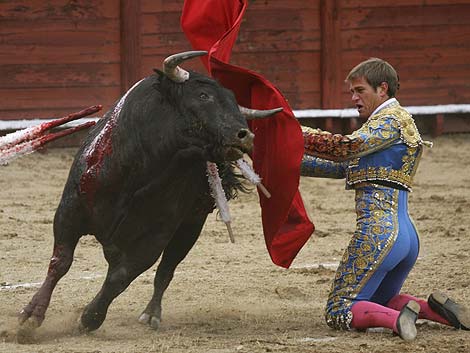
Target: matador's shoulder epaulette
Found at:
408, 130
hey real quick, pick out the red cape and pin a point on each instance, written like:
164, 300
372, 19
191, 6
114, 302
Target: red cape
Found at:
213, 25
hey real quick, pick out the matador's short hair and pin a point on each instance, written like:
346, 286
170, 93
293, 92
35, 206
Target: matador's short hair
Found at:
375, 71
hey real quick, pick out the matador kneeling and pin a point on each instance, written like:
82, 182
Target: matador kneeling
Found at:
378, 161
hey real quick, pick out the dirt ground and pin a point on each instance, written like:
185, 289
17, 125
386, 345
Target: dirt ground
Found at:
230, 297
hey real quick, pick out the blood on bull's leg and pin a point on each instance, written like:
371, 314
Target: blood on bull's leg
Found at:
61, 260
174, 253
69, 226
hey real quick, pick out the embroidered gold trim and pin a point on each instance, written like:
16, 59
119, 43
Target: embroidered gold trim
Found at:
380, 173
365, 253
403, 176
408, 130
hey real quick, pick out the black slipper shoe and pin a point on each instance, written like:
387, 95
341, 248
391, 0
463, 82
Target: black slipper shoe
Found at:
407, 319
457, 315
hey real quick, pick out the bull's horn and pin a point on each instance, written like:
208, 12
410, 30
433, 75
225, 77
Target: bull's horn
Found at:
171, 68
251, 114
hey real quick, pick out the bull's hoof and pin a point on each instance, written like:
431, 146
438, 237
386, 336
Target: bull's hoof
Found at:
152, 321
26, 330
90, 321
81, 328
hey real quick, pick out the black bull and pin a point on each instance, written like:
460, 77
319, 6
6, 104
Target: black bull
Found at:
139, 185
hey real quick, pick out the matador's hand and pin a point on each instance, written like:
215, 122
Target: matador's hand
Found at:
327, 145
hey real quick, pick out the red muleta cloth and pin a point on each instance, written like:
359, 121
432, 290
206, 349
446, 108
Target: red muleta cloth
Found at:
213, 25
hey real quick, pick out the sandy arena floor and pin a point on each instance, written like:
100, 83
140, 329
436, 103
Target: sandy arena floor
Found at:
230, 297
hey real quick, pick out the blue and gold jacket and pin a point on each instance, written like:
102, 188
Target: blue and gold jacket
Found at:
385, 150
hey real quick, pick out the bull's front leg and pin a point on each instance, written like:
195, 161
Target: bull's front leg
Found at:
174, 253
124, 267
34, 313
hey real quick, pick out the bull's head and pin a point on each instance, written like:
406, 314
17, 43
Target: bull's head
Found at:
216, 120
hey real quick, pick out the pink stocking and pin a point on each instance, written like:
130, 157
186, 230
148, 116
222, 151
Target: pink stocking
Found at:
367, 314
400, 300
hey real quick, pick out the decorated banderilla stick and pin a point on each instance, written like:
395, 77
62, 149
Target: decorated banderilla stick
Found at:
220, 199
251, 175
30, 139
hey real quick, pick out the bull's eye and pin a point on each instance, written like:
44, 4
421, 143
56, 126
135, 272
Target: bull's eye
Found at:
203, 96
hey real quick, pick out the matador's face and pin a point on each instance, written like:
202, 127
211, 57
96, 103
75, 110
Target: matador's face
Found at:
365, 97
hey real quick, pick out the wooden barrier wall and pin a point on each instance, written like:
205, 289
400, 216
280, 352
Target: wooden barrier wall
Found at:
426, 41
58, 56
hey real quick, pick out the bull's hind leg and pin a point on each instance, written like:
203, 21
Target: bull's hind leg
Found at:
174, 253
34, 313
123, 268
68, 227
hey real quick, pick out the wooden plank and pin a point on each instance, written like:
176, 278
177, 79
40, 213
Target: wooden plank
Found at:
43, 113
456, 123
59, 75
417, 82
300, 30
131, 49
89, 42
273, 20
283, 4
357, 4
58, 33
77, 10
445, 2
414, 16
307, 63
397, 3
109, 53
41, 98
152, 6
287, 19
162, 44
273, 40
438, 127
266, 42
436, 95
431, 56
353, 125
305, 100
401, 38
454, 72
330, 60
296, 74
12, 27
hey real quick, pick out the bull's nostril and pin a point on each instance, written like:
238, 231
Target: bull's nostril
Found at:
242, 134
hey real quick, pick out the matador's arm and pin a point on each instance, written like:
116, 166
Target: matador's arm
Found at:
322, 168
374, 135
